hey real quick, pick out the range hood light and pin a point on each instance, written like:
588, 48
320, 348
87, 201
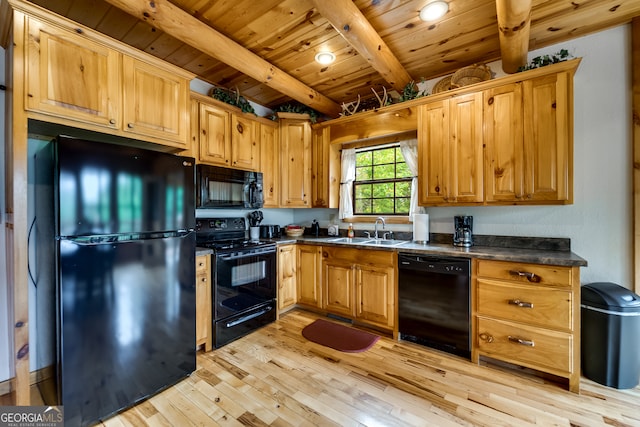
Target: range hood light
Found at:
434, 10
325, 58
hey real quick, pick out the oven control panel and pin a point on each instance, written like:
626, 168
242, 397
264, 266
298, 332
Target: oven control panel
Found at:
220, 224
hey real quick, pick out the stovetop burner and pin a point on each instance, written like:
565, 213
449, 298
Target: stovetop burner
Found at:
225, 234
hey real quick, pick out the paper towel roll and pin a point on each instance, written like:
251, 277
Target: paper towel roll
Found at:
421, 228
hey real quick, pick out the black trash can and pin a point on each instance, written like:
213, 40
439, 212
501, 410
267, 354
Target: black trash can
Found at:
610, 335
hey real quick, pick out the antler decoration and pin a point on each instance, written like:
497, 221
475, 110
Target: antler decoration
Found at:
350, 109
385, 97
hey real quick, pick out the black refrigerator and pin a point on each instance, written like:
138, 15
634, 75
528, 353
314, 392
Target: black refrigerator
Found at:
115, 274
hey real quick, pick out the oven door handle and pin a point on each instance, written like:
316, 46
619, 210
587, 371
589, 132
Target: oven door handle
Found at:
245, 255
249, 317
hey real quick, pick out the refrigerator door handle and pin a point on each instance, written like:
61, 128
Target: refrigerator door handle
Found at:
122, 238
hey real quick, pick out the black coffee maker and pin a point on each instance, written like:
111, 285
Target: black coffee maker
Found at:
463, 231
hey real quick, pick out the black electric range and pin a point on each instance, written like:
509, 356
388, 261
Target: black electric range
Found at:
244, 278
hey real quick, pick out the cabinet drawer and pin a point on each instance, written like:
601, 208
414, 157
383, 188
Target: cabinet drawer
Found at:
538, 348
370, 257
202, 265
536, 305
548, 275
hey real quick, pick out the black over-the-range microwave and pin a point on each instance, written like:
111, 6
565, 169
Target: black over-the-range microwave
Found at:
220, 187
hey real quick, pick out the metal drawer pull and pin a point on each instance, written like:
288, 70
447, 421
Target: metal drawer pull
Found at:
530, 276
521, 303
520, 341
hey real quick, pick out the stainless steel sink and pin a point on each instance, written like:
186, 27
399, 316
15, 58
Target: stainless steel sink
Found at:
383, 242
367, 241
358, 240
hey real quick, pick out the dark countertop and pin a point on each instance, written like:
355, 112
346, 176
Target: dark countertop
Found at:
534, 256
203, 251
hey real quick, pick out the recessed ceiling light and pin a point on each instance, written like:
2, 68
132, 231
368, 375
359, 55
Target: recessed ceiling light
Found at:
325, 58
434, 10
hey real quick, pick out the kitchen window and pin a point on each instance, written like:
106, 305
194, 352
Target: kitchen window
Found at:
382, 183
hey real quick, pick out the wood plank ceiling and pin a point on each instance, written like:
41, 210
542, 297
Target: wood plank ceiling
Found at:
288, 33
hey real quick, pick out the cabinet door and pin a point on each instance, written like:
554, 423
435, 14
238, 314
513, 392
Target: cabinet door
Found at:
203, 302
375, 295
503, 144
433, 153
155, 102
270, 165
295, 146
547, 138
320, 167
465, 149
215, 141
309, 277
286, 276
244, 146
338, 279
71, 77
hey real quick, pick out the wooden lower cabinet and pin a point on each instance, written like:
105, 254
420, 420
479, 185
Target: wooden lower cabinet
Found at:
309, 263
529, 315
287, 269
360, 284
203, 302
375, 295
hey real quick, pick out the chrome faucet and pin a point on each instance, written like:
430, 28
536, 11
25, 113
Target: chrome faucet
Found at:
375, 235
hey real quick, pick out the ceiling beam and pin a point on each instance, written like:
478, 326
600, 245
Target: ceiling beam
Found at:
514, 26
169, 18
347, 20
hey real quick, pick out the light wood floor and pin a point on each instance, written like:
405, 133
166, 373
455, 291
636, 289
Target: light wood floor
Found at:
274, 377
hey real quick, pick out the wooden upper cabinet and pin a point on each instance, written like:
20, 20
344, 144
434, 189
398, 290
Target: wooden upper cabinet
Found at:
295, 148
433, 152
83, 79
155, 101
215, 140
71, 77
504, 171
548, 138
270, 164
320, 167
225, 137
245, 133
528, 137
450, 151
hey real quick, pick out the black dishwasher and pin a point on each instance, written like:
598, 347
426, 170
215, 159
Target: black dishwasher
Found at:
434, 302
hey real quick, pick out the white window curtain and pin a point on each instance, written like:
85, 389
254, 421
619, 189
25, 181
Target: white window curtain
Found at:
348, 175
409, 149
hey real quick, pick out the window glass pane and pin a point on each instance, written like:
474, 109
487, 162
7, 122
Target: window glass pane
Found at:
384, 172
382, 206
386, 155
403, 189
364, 174
402, 171
363, 191
402, 205
363, 158
363, 206
383, 190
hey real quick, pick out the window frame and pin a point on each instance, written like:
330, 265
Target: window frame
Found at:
360, 216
